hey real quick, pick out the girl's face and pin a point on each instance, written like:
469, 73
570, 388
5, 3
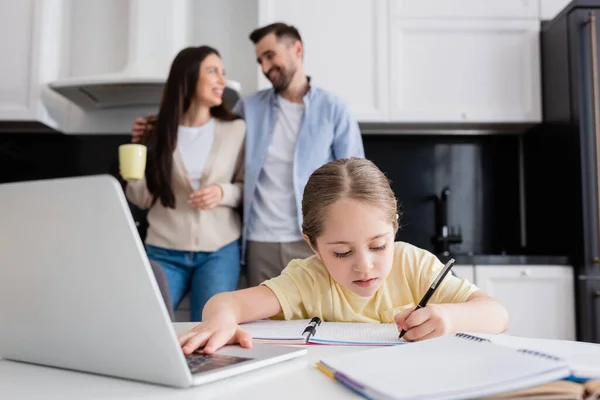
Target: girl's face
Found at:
357, 246
211, 81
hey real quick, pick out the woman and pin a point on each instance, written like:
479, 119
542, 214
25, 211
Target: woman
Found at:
193, 181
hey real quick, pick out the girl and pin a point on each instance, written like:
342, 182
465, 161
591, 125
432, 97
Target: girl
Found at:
193, 182
358, 273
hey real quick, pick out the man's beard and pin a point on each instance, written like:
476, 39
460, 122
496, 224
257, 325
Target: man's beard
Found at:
284, 79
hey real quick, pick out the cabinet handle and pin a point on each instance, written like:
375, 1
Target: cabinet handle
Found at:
594, 54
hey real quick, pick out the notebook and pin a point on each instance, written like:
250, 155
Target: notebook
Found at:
448, 367
313, 331
559, 390
583, 358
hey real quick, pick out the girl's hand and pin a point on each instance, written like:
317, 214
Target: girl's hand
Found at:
424, 323
207, 198
213, 335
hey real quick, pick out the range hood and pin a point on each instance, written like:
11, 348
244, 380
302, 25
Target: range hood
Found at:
156, 33
127, 89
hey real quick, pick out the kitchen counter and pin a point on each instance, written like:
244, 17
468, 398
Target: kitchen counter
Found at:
506, 259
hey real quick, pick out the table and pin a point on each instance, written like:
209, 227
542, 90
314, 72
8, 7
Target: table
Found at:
293, 379
289, 380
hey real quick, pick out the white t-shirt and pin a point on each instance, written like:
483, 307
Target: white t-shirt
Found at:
194, 145
275, 217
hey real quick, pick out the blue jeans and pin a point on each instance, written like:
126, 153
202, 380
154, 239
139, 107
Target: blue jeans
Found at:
203, 273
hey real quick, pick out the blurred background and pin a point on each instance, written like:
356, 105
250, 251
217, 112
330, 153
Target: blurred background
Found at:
483, 116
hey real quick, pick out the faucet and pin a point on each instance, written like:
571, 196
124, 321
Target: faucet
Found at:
445, 234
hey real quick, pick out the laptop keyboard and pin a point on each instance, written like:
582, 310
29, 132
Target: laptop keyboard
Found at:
199, 362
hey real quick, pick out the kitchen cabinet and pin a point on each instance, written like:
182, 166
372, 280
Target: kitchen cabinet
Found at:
17, 21
30, 45
105, 57
477, 63
539, 299
464, 272
345, 55
407, 61
423, 61
464, 9
26, 45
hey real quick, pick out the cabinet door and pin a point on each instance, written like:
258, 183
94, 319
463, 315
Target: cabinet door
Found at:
467, 70
514, 9
539, 299
345, 55
464, 272
17, 45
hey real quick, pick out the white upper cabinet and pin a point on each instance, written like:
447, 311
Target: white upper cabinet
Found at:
345, 54
464, 70
421, 60
27, 42
93, 66
15, 81
415, 61
462, 9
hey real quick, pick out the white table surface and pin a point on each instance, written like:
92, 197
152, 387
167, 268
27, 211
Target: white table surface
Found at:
294, 379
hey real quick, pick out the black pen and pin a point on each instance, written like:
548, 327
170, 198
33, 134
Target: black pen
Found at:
432, 288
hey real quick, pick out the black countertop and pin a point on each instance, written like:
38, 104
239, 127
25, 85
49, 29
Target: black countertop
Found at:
506, 259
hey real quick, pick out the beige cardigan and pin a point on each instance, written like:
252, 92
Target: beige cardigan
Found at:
186, 227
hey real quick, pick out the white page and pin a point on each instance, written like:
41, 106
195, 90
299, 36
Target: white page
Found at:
356, 332
446, 367
327, 332
582, 357
273, 329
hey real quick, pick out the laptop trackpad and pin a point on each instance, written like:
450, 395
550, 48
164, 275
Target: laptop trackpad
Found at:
199, 362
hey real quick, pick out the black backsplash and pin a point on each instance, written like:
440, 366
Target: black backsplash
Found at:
481, 172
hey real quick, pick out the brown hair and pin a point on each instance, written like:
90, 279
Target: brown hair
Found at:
161, 134
348, 178
279, 29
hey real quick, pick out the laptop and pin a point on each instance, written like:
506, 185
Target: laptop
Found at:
77, 290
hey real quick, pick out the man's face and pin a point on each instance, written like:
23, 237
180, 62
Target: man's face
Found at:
279, 59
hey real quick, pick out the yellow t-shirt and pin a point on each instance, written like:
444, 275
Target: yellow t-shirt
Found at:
305, 289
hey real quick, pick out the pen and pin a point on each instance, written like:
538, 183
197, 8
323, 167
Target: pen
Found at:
432, 288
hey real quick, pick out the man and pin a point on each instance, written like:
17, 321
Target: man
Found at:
291, 130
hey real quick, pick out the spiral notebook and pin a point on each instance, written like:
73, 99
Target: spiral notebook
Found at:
583, 358
313, 331
449, 367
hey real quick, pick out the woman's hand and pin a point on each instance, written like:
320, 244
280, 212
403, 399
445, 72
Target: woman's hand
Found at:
213, 335
424, 323
207, 198
138, 129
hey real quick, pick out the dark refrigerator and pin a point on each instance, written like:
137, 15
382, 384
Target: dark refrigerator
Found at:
562, 156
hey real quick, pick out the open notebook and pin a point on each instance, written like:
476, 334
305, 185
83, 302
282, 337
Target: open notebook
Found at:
314, 331
449, 367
